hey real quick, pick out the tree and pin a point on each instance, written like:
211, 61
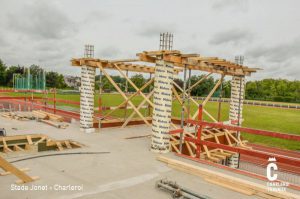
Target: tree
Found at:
35, 70
138, 80
2, 73
10, 73
55, 80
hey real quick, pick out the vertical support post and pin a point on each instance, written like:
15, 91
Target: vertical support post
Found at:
87, 89
189, 94
220, 102
54, 103
162, 111
126, 93
44, 80
28, 79
100, 93
199, 132
149, 89
182, 109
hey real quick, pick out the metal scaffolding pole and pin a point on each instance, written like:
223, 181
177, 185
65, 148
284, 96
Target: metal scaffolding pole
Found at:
182, 108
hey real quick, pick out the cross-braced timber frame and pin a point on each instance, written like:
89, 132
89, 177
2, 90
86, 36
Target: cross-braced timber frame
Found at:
181, 61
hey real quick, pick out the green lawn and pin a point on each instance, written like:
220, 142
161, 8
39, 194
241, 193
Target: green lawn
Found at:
267, 118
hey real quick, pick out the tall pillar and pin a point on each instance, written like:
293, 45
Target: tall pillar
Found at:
236, 111
87, 90
237, 100
162, 111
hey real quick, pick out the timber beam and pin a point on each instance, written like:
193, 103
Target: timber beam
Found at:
121, 64
196, 62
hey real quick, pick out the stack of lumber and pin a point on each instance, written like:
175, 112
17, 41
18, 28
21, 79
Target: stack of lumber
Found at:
45, 117
227, 181
23, 116
60, 125
51, 119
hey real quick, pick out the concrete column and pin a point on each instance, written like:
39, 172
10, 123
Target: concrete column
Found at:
162, 111
236, 111
237, 100
87, 99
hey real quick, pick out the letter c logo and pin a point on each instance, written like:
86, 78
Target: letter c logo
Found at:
270, 167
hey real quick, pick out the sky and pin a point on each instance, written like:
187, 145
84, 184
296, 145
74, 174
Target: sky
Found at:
51, 32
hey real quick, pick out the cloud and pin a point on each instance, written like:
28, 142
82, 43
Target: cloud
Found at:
236, 5
41, 20
153, 29
108, 52
96, 16
277, 53
2, 40
233, 36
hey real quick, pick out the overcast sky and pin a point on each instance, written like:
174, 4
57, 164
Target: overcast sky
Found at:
50, 33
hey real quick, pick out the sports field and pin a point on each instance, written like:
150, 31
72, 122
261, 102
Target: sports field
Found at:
267, 118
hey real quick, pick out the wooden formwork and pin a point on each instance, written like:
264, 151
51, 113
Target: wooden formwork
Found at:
181, 61
34, 142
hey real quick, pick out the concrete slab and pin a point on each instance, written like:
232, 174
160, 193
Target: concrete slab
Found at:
130, 170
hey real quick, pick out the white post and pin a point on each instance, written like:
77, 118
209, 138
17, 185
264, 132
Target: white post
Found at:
162, 111
87, 90
237, 100
236, 111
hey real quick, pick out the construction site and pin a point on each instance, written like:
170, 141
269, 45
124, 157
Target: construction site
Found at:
52, 152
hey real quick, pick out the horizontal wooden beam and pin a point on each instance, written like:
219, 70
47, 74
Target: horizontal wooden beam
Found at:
110, 65
195, 62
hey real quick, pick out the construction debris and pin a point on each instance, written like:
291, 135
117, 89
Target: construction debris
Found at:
23, 116
178, 191
39, 115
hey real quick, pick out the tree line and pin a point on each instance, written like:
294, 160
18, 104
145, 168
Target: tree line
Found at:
280, 90
53, 79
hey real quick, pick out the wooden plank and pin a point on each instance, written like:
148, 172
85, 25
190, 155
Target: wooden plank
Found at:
133, 95
28, 137
8, 167
9, 173
41, 140
233, 187
138, 108
59, 146
17, 148
122, 94
68, 145
245, 185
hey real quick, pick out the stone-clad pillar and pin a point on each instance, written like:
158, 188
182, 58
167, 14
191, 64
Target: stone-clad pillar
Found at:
162, 111
237, 100
87, 99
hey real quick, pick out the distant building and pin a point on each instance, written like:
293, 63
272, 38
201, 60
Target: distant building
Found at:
72, 81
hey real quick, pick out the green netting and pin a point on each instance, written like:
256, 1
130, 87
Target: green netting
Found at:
30, 82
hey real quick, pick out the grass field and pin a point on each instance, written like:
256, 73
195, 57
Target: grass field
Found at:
268, 118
